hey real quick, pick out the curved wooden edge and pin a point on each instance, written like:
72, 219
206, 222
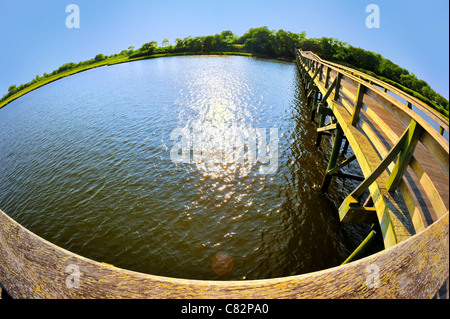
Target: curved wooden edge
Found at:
31, 267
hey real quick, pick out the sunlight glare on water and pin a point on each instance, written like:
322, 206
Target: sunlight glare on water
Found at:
86, 164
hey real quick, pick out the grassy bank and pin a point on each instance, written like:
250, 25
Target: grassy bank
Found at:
256, 42
107, 62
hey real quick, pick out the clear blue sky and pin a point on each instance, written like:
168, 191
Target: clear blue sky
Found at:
414, 34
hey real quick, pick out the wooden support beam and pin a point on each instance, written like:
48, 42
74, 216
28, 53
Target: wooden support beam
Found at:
358, 103
327, 128
337, 87
362, 249
380, 168
321, 109
355, 213
409, 144
346, 145
330, 89
342, 165
333, 157
314, 76
314, 106
327, 77
321, 123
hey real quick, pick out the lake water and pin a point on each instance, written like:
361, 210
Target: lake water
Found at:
91, 163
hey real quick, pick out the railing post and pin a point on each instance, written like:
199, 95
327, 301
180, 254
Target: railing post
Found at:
358, 103
337, 86
327, 77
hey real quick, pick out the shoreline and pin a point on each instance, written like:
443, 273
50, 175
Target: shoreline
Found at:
113, 61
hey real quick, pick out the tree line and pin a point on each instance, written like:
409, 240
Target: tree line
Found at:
276, 44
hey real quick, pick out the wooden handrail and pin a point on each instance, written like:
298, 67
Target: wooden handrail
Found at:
371, 119
432, 113
31, 267
431, 138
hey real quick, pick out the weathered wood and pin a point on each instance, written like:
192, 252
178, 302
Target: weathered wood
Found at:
380, 168
333, 157
327, 127
342, 165
381, 134
433, 194
330, 90
315, 75
327, 78
359, 252
358, 103
433, 114
409, 144
337, 86
31, 267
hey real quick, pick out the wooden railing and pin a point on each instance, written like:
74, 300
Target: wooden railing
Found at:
405, 167
440, 120
405, 161
31, 267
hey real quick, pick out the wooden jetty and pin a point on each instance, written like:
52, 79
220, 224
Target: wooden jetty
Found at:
405, 163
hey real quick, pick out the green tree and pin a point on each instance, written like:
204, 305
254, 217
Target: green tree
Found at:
208, 43
228, 36
12, 88
99, 57
149, 47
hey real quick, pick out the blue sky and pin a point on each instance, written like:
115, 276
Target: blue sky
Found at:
413, 34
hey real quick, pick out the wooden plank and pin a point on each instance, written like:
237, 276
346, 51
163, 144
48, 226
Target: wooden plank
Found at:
430, 189
333, 157
337, 87
327, 128
432, 113
439, 152
327, 77
366, 156
432, 140
380, 168
341, 165
413, 206
409, 145
415, 268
